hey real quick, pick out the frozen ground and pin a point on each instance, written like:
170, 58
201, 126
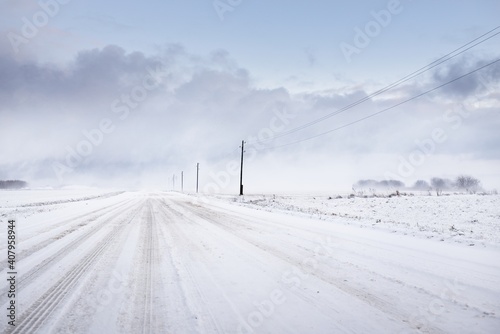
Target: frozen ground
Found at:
470, 219
154, 262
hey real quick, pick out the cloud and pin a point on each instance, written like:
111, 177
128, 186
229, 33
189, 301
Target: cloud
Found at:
198, 109
474, 83
94, 74
199, 105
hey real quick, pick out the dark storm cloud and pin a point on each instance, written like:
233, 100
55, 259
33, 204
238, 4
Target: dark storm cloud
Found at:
475, 83
201, 109
200, 105
93, 75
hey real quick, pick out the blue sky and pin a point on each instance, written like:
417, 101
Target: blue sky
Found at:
259, 54
275, 40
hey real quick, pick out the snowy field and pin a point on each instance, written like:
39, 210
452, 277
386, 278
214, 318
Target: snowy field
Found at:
95, 261
470, 219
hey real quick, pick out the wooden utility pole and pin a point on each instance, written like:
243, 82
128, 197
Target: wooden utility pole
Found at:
173, 182
241, 171
197, 175
182, 181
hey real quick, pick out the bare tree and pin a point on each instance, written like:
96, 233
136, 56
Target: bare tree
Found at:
438, 184
12, 184
421, 185
384, 184
468, 183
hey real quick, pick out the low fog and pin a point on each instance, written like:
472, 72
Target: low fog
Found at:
117, 118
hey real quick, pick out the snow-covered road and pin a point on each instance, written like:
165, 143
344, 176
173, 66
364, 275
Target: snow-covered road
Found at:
153, 262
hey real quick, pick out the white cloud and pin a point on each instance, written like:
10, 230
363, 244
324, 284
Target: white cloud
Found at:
203, 106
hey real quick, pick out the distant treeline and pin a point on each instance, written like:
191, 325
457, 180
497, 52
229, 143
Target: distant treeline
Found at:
463, 182
384, 184
13, 184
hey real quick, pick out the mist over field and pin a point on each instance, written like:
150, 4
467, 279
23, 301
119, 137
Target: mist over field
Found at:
234, 166
123, 114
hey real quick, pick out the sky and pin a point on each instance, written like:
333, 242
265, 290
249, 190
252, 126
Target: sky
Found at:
128, 94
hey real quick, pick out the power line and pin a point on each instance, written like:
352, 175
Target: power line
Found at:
408, 77
386, 109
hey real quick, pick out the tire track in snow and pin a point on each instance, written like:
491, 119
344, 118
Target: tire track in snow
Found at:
178, 316
26, 278
237, 226
195, 299
149, 260
186, 214
73, 223
192, 235
147, 303
42, 309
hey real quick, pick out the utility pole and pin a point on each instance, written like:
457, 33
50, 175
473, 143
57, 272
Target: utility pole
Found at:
197, 174
241, 171
173, 182
182, 181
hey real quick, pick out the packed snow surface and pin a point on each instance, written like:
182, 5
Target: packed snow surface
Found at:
95, 261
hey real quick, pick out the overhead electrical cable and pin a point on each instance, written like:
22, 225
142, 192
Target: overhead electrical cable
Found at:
386, 109
408, 77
